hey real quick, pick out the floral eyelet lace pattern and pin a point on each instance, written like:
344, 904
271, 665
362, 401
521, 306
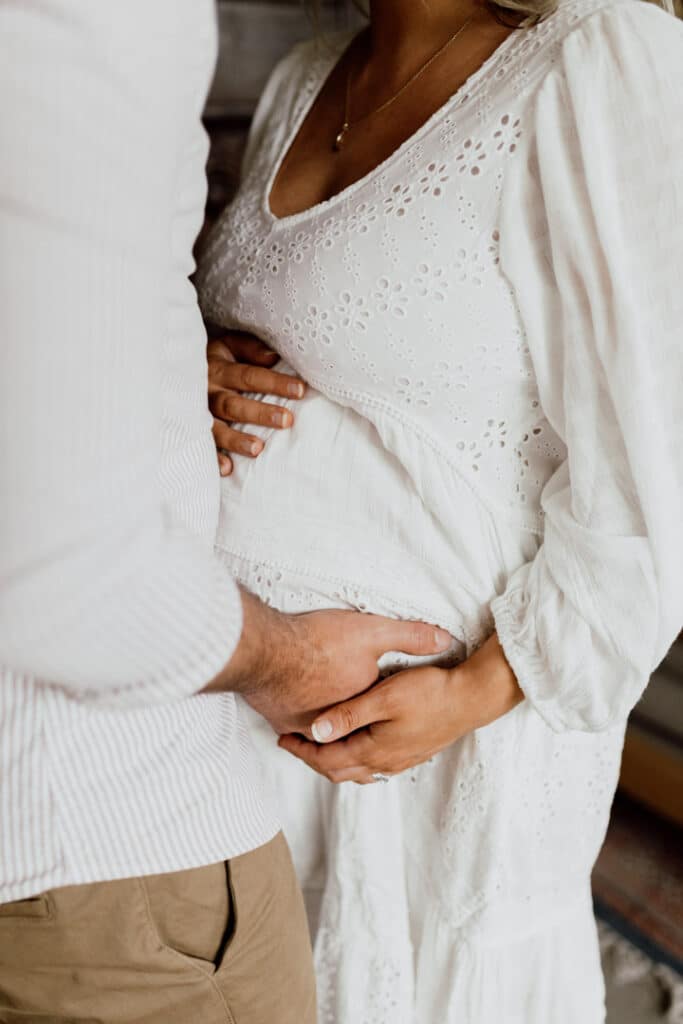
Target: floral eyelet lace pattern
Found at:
410, 252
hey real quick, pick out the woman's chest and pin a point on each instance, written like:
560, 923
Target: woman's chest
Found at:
392, 289
394, 293
391, 300
401, 271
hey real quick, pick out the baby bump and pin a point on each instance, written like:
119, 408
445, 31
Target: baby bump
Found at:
328, 516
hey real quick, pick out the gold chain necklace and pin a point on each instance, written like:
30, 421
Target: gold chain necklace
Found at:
348, 124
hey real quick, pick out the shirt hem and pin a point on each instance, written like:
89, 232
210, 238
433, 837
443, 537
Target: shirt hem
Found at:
222, 851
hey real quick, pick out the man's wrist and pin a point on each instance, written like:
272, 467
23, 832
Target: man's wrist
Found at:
262, 649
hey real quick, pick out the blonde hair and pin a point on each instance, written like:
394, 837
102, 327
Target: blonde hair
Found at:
528, 12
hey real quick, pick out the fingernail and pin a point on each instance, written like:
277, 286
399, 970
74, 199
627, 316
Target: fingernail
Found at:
281, 418
255, 447
442, 639
295, 389
321, 730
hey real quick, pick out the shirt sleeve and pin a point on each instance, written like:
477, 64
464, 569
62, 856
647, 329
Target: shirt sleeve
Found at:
592, 243
103, 595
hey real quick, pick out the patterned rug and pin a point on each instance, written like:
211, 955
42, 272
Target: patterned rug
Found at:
638, 891
639, 989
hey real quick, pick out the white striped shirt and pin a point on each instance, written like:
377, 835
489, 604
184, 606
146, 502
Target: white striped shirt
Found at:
114, 612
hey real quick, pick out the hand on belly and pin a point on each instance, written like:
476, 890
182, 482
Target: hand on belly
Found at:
408, 718
240, 374
290, 667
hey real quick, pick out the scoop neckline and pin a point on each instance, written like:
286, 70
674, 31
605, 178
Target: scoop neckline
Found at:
462, 96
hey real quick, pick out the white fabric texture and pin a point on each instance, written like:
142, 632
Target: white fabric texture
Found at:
490, 323
113, 607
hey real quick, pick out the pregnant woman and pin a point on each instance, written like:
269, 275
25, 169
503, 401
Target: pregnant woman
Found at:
467, 239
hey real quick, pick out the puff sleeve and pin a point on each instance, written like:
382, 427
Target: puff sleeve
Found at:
592, 244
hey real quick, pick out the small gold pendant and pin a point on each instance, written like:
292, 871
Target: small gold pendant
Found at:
339, 141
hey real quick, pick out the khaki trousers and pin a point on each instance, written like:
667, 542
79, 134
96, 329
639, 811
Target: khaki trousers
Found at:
223, 944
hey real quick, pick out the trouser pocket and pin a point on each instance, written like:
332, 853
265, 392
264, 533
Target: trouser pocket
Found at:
266, 969
130, 951
192, 912
33, 907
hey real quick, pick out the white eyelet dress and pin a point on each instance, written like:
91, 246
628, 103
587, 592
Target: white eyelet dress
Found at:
491, 325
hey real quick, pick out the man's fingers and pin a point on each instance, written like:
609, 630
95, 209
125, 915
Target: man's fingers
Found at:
230, 440
411, 637
225, 405
255, 379
344, 719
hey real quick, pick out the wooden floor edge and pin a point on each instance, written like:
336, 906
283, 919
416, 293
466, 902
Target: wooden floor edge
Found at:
652, 772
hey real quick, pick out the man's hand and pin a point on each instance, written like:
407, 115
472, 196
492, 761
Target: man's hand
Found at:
409, 717
240, 363
291, 667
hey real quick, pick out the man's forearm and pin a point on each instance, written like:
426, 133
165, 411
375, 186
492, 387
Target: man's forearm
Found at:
290, 667
267, 647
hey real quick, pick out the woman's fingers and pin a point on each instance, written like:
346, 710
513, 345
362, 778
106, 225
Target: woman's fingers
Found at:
350, 758
255, 379
236, 441
357, 774
224, 464
233, 408
228, 378
216, 349
343, 719
239, 345
248, 349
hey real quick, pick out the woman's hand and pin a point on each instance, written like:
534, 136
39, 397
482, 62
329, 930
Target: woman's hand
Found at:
409, 717
240, 363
